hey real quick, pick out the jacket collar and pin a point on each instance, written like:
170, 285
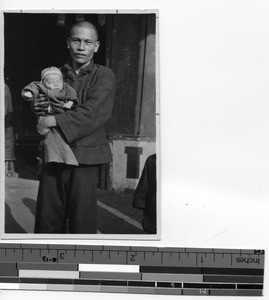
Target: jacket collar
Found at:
84, 69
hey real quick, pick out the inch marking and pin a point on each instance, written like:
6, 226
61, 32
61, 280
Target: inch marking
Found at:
192, 258
184, 250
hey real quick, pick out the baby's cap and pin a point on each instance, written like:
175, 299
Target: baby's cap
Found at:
49, 71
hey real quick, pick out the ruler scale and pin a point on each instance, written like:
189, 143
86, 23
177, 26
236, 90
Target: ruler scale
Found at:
141, 270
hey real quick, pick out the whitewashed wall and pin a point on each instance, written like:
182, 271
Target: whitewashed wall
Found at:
119, 178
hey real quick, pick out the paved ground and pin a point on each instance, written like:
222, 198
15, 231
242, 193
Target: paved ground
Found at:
115, 212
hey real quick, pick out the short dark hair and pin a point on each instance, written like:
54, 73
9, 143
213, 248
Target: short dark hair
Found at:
84, 23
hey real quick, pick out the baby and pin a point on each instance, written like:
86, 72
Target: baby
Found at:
60, 94
61, 97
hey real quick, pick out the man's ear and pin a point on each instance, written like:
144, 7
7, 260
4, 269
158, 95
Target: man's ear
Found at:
97, 44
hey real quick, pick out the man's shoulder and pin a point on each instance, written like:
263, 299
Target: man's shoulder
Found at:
103, 69
104, 73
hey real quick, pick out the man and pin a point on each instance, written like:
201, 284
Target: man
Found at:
68, 193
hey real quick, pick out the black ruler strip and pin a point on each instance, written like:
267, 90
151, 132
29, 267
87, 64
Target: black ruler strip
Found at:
194, 270
233, 279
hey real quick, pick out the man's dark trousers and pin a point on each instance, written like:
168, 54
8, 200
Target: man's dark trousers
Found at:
67, 193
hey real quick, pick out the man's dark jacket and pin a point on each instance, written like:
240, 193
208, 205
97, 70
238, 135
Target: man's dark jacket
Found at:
83, 127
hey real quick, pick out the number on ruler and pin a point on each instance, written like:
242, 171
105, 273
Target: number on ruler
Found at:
132, 257
47, 259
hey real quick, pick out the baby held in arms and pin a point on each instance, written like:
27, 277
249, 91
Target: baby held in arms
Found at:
61, 97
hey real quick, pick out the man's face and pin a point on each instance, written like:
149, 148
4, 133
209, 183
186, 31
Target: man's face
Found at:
82, 45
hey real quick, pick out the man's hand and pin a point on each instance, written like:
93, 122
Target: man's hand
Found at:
44, 124
41, 105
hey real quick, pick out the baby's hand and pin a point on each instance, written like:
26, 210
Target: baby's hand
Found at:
28, 95
68, 105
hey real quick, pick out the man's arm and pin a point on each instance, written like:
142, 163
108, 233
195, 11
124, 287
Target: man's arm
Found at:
71, 94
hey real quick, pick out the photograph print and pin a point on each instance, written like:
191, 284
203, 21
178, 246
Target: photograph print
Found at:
81, 125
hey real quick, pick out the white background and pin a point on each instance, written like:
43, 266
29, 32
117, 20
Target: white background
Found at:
214, 90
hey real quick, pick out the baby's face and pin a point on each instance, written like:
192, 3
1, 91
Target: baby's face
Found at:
53, 81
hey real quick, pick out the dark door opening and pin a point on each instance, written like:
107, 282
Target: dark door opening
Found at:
34, 41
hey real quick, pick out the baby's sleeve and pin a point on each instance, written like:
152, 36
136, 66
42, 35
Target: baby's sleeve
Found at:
71, 94
32, 88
